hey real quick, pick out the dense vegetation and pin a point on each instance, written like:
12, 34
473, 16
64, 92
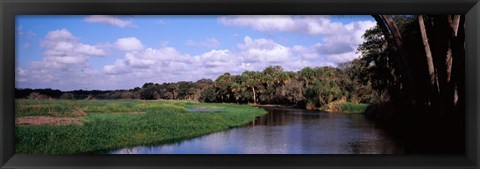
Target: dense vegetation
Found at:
416, 64
309, 87
113, 124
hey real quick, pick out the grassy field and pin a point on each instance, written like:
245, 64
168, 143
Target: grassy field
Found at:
97, 126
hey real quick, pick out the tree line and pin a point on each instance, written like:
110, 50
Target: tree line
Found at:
309, 87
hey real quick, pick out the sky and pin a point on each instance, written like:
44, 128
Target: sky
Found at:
122, 52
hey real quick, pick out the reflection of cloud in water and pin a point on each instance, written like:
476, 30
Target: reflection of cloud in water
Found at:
270, 143
217, 142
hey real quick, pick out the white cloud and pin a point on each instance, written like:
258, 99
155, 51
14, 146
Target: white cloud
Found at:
263, 50
304, 52
357, 29
339, 39
313, 25
148, 60
60, 34
64, 62
63, 48
109, 20
129, 44
215, 62
334, 48
89, 50
118, 68
21, 72
167, 64
207, 43
340, 58
215, 58
344, 44
25, 34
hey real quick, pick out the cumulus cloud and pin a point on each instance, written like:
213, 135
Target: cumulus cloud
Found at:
207, 43
263, 50
344, 44
129, 44
20, 75
143, 62
118, 67
163, 64
167, 64
340, 39
304, 52
64, 59
334, 59
215, 58
334, 48
109, 20
63, 48
60, 34
313, 25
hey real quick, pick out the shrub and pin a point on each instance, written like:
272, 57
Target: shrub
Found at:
67, 96
37, 96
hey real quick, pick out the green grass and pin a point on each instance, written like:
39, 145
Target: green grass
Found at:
107, 128
348, 107
345, 107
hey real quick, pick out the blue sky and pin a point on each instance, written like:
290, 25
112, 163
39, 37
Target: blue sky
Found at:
123, 52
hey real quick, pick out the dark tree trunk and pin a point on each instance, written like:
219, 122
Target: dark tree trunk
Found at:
394, 38
443, 63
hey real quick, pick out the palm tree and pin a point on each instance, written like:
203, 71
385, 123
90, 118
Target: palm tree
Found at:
307, 74
251, 81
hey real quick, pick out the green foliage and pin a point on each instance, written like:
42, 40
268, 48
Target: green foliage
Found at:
353, 108
148, 92
67, 96
62, 108
208, 95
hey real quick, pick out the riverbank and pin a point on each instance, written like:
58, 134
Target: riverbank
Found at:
345, 107
96, 126
338, 106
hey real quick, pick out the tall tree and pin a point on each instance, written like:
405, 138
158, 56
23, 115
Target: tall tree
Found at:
252, 79
442, 41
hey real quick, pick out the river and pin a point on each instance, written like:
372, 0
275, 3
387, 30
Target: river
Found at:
287, 131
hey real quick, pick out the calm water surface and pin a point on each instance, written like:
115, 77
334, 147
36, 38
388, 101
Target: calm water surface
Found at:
287, 131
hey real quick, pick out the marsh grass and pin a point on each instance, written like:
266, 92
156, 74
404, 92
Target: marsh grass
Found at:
106, 129
348, 107
345, 107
